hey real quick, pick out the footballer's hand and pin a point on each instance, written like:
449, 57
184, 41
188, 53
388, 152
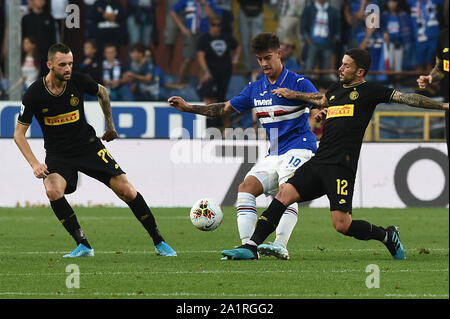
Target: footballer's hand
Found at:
179, 103
110, 135
40, 170
285, 92
423, 80
319, 115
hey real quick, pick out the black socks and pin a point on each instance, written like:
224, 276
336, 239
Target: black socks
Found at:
268, 221
144, 215
68, 219
362, 230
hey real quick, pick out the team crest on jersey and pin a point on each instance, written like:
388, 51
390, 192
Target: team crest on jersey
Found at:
74, 101
354, 95
340, 111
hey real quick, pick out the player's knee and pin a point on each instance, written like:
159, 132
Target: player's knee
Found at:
287, 194
126, 192
341, 225
251, 185
54, 193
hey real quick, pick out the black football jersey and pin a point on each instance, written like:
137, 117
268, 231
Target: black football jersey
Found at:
442, 55
61, 117
349, 112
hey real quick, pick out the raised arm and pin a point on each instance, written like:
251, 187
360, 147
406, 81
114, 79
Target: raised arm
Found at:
318, 99
105, 103
417, 100
212, 110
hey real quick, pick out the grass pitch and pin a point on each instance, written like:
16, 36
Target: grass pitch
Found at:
323, 264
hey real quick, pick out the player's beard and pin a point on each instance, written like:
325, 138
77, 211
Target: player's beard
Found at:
347, 80
61, 77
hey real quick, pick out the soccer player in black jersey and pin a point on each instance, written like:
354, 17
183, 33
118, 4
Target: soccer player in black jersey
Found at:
349, 106
440, 74
71, 144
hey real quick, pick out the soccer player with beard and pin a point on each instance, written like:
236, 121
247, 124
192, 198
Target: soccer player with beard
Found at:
350, 104
71, 144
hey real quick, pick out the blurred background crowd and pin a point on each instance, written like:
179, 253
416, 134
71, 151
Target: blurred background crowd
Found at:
148, 50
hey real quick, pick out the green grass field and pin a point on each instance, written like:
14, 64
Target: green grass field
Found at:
323, 264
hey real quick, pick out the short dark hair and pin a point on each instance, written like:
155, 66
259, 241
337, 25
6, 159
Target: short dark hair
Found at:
264, 42
92, 42
362, 58
139, 47
57, 47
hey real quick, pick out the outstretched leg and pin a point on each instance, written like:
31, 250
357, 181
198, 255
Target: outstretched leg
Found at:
123, 188
363, 230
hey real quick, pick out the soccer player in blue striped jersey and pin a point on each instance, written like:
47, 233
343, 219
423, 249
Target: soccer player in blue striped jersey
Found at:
292, 142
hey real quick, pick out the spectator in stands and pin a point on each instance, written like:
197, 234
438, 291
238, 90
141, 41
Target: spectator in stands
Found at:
30, 61
288, 58
425, 24
58, 13
91, 63
112, 75
196, 15
251, 23
140, 75
354, 13
216, 56
140, 20
40, 25
371, 40
90, 26
170, 35
227, 16
393, 22
321, 29
159, 85
110, 23
289, 14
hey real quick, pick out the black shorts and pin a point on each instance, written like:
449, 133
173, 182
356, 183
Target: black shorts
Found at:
313, 180
95, 162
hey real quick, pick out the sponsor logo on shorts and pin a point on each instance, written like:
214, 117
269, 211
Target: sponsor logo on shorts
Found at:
340, 110
61, 119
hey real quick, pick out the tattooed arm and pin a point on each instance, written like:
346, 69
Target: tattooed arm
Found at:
103, 99
315, 98
210, 110
417, 100
435, 75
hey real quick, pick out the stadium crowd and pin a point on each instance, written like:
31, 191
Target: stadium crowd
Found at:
119, 39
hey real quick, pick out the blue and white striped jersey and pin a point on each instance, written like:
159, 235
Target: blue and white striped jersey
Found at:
285, 120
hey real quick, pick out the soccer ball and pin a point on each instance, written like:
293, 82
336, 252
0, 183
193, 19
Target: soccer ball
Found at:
206, 214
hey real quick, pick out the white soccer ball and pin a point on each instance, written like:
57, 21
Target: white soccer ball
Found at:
206, 214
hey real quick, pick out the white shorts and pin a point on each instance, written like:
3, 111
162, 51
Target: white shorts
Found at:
274, 170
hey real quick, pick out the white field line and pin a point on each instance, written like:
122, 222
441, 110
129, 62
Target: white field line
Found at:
218, 295
81, 217
208, 272
139, 252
